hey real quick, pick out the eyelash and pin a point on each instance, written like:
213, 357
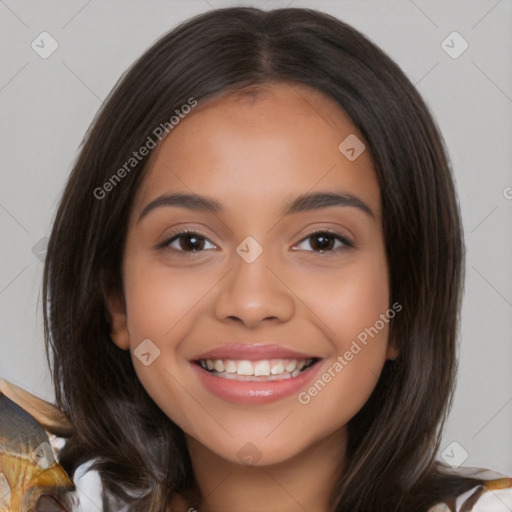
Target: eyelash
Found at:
164, 245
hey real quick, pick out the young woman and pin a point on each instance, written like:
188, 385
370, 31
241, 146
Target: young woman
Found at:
253, 280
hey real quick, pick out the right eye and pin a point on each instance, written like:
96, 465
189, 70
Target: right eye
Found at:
186, 241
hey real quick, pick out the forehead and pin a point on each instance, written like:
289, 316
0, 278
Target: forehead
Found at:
262, 142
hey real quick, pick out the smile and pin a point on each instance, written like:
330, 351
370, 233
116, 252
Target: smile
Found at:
256, 371
256, 381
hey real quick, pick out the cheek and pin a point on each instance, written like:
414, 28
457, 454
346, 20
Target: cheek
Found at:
159, 299
349, 299
352, 308
163, 305
358, 304
359, 352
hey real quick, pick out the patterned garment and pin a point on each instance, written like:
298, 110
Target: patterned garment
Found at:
31, 479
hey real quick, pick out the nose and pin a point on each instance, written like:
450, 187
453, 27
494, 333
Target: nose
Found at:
254, 292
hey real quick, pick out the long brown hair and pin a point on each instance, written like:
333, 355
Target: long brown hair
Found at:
140, 453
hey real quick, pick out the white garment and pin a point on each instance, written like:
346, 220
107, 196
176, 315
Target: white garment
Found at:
88, 489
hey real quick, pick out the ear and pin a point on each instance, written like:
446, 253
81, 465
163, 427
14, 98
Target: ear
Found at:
116, 317
392, 352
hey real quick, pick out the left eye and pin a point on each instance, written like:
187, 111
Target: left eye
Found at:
324, 241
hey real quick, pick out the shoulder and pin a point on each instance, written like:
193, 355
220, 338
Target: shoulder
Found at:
495, 495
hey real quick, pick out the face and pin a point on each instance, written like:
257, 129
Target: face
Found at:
258, 281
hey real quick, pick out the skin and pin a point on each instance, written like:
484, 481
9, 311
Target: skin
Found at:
246, 151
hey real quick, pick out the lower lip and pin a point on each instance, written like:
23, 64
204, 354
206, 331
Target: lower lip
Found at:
251, 392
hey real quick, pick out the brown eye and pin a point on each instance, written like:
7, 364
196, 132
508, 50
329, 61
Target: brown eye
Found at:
324, 241
191, 242
187, 241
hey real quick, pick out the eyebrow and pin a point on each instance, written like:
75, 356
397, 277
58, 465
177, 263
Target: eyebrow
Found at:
302, 203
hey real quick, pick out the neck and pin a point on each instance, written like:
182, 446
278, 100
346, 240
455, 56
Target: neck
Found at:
304, 482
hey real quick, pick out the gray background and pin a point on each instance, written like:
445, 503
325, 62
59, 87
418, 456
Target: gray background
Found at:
47, 105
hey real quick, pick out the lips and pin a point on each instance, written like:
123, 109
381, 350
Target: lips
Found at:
253, 352
250, 374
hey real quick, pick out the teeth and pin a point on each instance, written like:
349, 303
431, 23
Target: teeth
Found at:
262, 368
272, 368
277, 369
291, 366
245, 368
230, 366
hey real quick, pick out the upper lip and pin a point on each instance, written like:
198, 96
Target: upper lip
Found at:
253, 352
